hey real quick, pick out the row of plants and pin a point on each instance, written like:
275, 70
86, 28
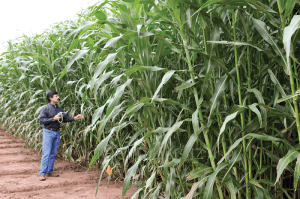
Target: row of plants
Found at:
182, 98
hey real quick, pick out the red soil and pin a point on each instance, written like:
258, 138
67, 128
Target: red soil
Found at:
19, 167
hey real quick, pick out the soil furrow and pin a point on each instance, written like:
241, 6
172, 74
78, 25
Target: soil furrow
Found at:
9, 141
16, 151
17, 158
14, 145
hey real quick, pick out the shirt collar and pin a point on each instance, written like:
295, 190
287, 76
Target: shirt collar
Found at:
53, 105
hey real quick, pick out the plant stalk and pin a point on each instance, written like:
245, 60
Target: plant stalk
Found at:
195, 92
241, 103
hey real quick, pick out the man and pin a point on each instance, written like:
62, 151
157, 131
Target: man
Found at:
51, 134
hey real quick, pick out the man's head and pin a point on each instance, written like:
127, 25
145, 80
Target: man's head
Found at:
52, 96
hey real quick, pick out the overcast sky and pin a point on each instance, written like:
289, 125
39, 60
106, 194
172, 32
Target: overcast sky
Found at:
34, 16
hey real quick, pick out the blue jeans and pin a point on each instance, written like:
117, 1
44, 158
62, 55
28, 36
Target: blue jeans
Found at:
50, 145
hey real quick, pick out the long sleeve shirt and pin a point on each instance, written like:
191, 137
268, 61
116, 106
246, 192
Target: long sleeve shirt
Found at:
48, 112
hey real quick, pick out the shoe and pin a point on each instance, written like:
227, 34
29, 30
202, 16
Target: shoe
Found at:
42, 178
52, 174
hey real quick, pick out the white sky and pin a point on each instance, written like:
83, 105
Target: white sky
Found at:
34, 16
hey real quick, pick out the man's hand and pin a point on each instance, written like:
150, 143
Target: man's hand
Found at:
78, 117
56, 118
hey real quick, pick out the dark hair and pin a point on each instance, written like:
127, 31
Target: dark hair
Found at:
50, 94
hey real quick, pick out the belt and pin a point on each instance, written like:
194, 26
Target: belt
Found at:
53, 129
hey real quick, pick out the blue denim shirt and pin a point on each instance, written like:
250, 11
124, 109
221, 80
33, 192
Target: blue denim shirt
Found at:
48, 112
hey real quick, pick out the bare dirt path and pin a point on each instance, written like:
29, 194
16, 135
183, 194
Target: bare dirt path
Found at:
19, 167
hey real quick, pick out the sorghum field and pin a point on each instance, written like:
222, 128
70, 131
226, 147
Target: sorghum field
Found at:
182, 98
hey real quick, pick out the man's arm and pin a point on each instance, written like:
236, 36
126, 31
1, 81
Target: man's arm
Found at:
68, 119
44, 119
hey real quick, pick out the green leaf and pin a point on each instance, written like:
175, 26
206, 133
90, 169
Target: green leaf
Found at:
84, 95
74, 43
258, 95
169, 133
227, 119
297, 173
99, 81
100, 15
130, 173
156, 192
135, 136
173, 163
208, 191
114, 100
150, 180
281, 91
195, 121
165, 78
237, 43
77, 56
287, 97
100, 147
143, 68
283, 162
255, 183
198, 172
97, 114
231, 188
134, 69
101, 66
262, 29
169, 190
145, 34
189, 145
113, 113
71, 82
219, 62
91, 44
136, 194
134, 108
145, 100
210, 2
256, 111
288, 33
132, 150
259, 191
289, 6
250, 135
235, 158
168, 42
112, 41
220, 87
184, 85
85, 25
286, 193
193, 137
171, 102
195, 186
260, 99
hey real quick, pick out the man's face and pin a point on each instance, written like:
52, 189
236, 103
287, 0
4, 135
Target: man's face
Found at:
55, 98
